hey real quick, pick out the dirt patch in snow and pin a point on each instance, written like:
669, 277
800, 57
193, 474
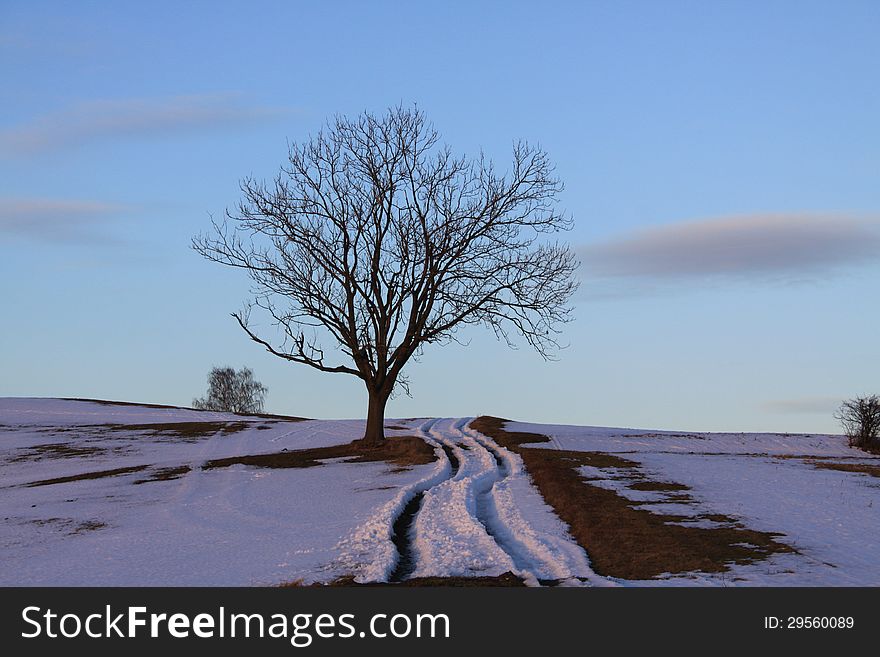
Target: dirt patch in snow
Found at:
622, 539
862, 468
185, 431
655, 434
657, 486
96, 440
161, 431
56, 451
100, 474
165, 474
401, 450
505, 580
69, 526
401, 536
107, 402
88, 526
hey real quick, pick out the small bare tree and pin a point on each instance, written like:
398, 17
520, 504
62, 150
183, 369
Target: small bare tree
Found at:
860, 418
376, 236
233, 392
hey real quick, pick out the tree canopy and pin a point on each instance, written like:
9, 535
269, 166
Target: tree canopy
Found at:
377, 237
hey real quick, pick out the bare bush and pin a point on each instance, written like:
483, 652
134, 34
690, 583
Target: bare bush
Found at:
233, 392
860, 419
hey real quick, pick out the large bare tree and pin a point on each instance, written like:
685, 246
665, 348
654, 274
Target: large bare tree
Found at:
376, 236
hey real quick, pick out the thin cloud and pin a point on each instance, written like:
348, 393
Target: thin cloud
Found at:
59, 221
96, 120
788, 247
804, 405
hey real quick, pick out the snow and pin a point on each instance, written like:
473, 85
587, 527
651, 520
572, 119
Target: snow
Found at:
25, 423
49, 412
489, 519
768, 482
479, 512
368, 552
618, 440
226, 526
485, 519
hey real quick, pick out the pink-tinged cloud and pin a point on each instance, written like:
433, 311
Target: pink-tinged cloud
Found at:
58, 221
804, 405
94, 120
745, 246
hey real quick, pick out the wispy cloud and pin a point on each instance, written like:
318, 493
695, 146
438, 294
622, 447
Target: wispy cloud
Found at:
803, 405
788, 247
104, 119
59, 221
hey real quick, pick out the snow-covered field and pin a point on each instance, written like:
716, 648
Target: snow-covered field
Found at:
227, 526
770, 482
479, 516
152, 515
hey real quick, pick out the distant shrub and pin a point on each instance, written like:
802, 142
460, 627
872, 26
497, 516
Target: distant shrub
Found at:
860, 419
233, 392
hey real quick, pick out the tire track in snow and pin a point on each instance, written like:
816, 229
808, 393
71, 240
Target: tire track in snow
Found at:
476, 514
485, 508
529, 528
450, 538
487, 514
381, 548
402, 528
526, 565
525, 527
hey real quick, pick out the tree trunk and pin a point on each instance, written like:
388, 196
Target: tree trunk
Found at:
375, 431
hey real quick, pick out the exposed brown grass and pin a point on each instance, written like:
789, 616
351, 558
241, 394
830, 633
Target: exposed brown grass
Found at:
863, 468
93, 438
165, 474
107, 402
88, 526
90, 434
99, 474
275, 416
56, 451
180, 430
505, 580
173, 430
622, 539
654, 434
401, 450
71, 526
657, 486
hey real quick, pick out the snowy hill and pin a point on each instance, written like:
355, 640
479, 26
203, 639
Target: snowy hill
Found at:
119, 494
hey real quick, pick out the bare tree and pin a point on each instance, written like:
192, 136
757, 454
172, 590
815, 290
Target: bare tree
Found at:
860, 418
233, 392
375, 235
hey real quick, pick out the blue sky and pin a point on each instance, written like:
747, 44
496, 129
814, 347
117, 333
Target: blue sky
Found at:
720, 159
